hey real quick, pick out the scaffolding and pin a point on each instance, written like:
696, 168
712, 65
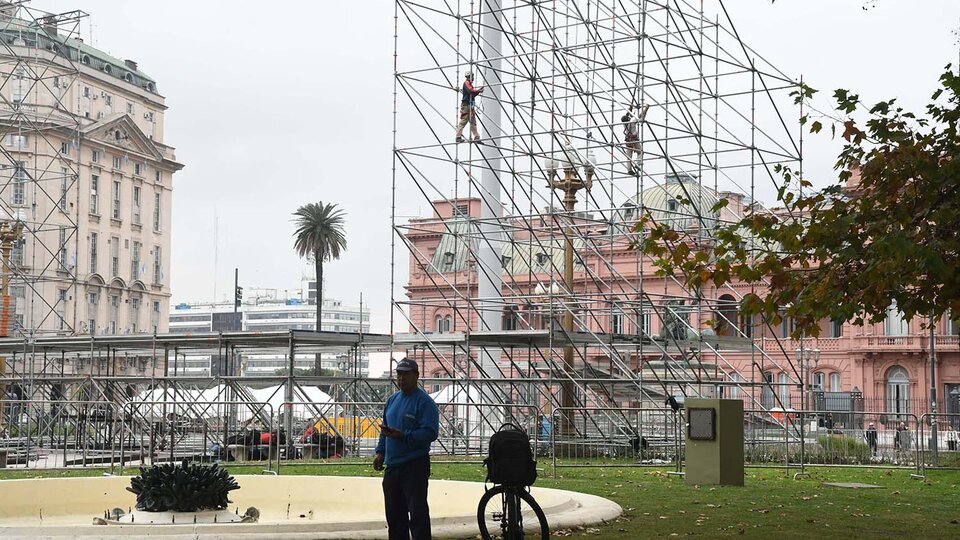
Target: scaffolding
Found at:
524, 278
41, 136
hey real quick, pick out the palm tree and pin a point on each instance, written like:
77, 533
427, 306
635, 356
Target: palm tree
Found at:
319, 235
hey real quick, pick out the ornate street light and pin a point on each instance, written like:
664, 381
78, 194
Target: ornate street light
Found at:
569, 172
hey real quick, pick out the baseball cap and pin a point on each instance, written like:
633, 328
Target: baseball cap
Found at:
407, 365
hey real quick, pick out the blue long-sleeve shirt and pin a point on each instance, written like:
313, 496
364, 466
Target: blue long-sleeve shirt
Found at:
416, 415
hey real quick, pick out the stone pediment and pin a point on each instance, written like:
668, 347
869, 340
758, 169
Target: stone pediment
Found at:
120, 131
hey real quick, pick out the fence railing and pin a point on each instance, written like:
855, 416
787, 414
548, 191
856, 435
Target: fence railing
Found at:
83, 433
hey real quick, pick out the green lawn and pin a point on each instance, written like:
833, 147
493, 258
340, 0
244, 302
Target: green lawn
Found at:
771, 505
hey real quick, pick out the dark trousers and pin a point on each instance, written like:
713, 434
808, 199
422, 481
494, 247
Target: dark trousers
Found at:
405, 499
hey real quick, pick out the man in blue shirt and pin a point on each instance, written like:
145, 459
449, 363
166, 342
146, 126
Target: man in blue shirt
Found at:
410, 423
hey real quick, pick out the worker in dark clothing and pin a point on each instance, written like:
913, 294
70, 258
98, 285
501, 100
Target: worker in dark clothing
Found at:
468, 108
631, 138
411, 421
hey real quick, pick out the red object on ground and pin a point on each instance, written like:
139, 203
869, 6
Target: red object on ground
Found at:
265, 438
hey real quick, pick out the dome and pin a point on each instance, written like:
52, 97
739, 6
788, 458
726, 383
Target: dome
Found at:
681, 202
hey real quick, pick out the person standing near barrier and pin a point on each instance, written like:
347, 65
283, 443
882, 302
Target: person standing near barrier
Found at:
411, 421
871, 437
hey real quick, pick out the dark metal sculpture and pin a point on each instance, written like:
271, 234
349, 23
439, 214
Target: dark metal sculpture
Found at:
182, 488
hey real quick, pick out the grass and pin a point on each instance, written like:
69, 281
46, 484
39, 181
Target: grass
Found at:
770, 505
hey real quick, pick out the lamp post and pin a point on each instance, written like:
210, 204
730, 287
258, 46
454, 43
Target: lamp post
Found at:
569, 173
10, 233
805, 357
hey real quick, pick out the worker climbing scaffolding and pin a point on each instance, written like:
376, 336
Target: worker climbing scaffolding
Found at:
468, 108
631, 138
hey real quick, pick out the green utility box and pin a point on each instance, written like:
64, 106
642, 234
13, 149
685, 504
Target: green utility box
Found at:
714, 433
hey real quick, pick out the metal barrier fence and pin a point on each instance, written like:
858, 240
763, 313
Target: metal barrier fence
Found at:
796, 439
942, 451
603, 436
201, 431
80, 433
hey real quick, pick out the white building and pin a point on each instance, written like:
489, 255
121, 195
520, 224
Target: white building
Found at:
265, 311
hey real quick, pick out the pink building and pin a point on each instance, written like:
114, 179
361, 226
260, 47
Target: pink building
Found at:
617, 293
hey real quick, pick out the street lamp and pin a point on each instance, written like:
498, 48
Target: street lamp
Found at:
568, 172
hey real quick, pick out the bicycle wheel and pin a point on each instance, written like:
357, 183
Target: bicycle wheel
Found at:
510, 513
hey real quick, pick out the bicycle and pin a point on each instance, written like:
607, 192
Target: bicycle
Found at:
507, 513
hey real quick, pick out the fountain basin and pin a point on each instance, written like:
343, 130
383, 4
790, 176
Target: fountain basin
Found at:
290, 507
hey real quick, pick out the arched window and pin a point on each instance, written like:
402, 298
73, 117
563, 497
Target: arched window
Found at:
725, 317
818, 381
438, 324
834, 382
448, 323
898, 391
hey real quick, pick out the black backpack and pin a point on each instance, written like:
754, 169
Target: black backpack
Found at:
510, 461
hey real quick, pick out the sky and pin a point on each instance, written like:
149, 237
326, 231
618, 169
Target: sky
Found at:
272, 106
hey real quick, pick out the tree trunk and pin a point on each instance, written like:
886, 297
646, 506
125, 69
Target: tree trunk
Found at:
318, 359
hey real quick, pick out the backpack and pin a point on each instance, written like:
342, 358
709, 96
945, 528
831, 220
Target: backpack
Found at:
510, 461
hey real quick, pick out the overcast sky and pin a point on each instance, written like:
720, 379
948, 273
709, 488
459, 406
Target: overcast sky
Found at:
275, 105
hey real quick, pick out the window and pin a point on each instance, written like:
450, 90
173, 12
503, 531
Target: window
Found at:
117, 162
138, 168
767, 396
95, 156
672, 205
114, 312
114, 256
93, 301
62, 253
733, 391
94, 237
894, 325
16, 140
61, 322
836, 328
65, 148
448, 258
116, 199
16, 254
158, 177
19, 194
448, 323
157, 263
616, 320
461, 210
746, 325
86, 89
134, 314
64, 185
784, 384
94, 198
443, 324
156, 211
835, 382
135, 261
725, 317
129, 108
155, 317
787, 326
136, 205
643, 319
818, 381
511, 318
541, 259
898, 391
